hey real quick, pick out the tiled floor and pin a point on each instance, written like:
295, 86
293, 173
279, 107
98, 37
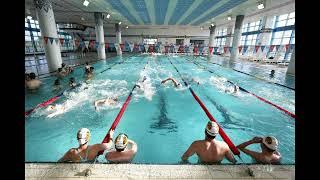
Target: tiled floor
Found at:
139, 171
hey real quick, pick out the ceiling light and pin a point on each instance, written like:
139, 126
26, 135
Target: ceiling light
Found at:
229, 18
85, 3
260, 6
119, 22
212, 24
108, 16
29, 17
127, 27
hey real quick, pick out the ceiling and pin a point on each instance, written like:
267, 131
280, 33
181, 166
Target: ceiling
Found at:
148, 12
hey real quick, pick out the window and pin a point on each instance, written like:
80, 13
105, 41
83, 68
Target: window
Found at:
250, 39
285, 20
149, 41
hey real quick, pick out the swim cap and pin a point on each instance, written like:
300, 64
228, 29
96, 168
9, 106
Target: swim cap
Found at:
271, 142
83, 136
121, 141
212, 128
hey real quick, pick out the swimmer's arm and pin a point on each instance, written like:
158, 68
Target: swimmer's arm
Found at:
230, 157
108, 145
66, 157
191, 150
134, 147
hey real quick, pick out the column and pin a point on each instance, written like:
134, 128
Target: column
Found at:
48, 29
236, 37
265, 35
100, 35
211, 38
291, 67
118, 38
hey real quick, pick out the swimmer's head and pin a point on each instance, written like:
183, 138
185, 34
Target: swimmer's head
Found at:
32, 75
87, 63
211, 130
270, 143
83, 136
50, 107
63, 65
121, 142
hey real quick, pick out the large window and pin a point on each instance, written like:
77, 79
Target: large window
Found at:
250, 32
34, 41
149, 41
220, 39
283, 34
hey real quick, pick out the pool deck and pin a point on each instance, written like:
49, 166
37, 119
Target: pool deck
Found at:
143, 171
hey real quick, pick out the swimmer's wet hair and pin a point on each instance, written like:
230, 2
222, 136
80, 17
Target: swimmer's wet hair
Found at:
208, 135
32, 75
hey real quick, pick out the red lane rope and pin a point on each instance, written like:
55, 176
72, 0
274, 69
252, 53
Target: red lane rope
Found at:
262, 99
221, 132
118, 118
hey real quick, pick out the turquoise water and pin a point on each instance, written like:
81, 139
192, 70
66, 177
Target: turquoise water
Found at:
163, 120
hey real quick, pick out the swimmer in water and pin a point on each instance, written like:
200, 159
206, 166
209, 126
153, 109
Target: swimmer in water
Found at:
72, 82
57, 86
233, 91
105, 102
176, 83
33, 83
55, 110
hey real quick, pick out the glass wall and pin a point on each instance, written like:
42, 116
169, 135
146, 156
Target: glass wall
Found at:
220, 39
283, 34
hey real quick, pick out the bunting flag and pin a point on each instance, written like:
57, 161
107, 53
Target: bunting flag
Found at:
97, 45
112, 45
77, 43
106, 45
131, 46
271, 48
291, 47
51, 40
215, 49
121, 46
210, 50
146, 47
86, 43
240, 48
257, 48
277, 47
166, 48
245, 49
46, 40
82, 44
287, 47
225, 49
262, 48
56, 40
61, 41
230, 49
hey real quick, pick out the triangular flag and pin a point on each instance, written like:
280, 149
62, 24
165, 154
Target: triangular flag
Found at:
287, 46
257, 48
106, 45
61, 41
230, 49
245, 48
46, 39
131, 46
122, 47
225, 49
56, 40
97, 45
277, 47
210, 50
262, 48
215, 49
271, 48
240, 48
51, 40
86, 43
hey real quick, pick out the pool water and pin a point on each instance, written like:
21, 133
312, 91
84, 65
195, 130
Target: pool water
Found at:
162, 120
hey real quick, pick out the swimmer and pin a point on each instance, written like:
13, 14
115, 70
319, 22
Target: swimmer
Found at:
106, 102
55, 110
233, 91
125, 149
85, 152
61, 73
33, 83
72, 82
57, 85
269, 146
176, 84
209, 150
272, 73
87, 67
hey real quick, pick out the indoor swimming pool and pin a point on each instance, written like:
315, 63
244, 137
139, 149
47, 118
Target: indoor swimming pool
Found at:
161, 119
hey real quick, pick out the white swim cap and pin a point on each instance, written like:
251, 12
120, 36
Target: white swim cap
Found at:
83, 136
212, 128
121, 141
271, 142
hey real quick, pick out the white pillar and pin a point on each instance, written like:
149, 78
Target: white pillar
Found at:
291, 67
211, 37
48, 28
236, 37
100, 35
118, 38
